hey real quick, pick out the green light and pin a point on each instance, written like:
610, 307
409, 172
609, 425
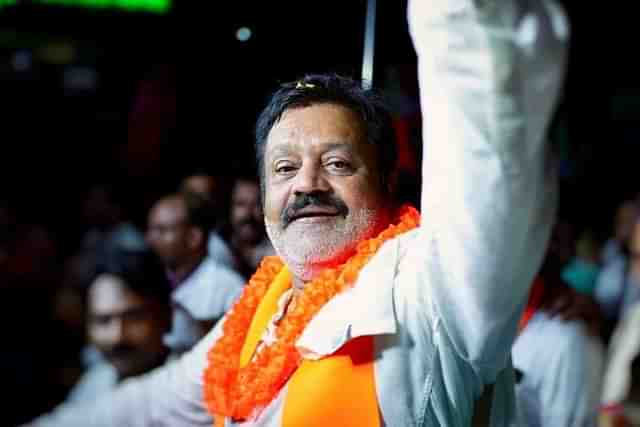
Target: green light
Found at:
155, 6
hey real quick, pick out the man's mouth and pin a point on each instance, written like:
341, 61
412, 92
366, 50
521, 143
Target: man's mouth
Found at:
314, 212
314, 207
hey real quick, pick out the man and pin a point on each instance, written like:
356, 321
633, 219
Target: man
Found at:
557, 353
239, 240
365, 319
204, 184
560, 364
209, 187
616, 247
618, 285
178, 230
128, 313
242, 243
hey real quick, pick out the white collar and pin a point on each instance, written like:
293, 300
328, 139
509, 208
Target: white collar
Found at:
365, 309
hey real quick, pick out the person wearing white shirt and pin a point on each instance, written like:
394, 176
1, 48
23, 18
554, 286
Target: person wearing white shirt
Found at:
203, 290
561, 366
385, 322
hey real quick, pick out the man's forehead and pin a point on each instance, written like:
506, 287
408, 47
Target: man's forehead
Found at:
278, 149
323, 124
109, 295
201, 182
169, 208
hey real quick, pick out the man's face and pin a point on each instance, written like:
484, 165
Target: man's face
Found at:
247, 219
127, 328
625, 220
167, 231
204, 185
322, 187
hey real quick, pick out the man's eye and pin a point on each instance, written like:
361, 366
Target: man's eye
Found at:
100, 320
284, 169
338, 165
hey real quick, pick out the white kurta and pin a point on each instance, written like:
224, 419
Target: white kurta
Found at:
443, 301
206, 295
562, 373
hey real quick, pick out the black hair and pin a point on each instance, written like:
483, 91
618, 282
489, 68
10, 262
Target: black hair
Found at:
200, 211
141, 271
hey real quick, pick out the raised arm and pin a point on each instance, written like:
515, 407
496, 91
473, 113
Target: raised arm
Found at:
489, 74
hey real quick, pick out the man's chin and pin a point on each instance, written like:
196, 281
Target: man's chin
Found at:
307, 262
251, 237
130, 369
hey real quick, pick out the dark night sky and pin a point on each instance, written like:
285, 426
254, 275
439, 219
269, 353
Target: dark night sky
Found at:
223, 84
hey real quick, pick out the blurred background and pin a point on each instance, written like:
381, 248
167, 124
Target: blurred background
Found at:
88, 91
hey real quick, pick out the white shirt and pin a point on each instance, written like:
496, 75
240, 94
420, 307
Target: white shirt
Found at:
562, 373
220, 251
612, 251
442, 302
96, 381
206, 295
616, 289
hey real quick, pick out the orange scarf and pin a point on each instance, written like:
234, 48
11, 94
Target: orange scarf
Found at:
536, 298
239, 384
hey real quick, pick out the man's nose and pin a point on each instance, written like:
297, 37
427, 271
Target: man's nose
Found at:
310, 179
115, 331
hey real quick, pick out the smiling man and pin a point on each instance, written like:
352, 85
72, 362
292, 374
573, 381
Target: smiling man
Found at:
324, 192
367, 317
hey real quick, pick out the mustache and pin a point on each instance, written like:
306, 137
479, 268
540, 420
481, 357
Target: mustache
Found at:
121, 351
250, 221
317, 199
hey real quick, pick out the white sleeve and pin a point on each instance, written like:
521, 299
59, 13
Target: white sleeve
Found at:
170, 396
489, 75
623, 349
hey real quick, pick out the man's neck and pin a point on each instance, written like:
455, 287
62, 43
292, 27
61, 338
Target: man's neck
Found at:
242, 248
185, 269
243, 252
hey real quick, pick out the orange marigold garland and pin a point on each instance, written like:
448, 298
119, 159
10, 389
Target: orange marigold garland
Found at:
241, 393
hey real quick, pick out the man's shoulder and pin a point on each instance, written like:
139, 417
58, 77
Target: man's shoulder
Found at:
407, 242
98, 379
211, 267
393, 255
542, 326
549, 339
205, 294
219, 249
